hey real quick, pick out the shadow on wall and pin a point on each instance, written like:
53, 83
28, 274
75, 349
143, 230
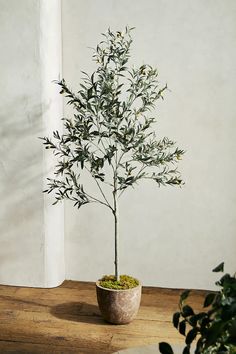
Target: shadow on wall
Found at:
21, 181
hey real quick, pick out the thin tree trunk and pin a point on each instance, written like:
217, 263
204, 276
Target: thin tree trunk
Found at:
116, 219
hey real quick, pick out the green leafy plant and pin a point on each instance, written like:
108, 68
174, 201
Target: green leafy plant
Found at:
215, 329
109, 137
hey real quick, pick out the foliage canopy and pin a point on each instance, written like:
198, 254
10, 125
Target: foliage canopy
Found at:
112, 127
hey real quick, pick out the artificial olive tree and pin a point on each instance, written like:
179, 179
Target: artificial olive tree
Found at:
110, 135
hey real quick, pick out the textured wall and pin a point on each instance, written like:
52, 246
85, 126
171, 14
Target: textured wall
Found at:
29, 32
169, 237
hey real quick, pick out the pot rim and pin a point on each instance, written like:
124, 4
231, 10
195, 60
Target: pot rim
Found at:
118, 290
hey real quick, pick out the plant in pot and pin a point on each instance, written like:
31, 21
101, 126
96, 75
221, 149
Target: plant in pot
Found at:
110, 138
213, 331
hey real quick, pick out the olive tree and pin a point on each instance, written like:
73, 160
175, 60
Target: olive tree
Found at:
110, 135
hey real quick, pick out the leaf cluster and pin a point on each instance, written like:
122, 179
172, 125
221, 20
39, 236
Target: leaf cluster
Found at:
214, 329
111, 129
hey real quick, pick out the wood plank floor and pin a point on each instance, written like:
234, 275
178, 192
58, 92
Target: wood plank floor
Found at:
66, 320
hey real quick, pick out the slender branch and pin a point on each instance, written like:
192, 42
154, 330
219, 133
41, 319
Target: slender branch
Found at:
130, 160
121, 193
99, 149
136, 177
108, 204
98, 200
141, 170
104, 147
102, 192
116, 159
116, 219
119, 161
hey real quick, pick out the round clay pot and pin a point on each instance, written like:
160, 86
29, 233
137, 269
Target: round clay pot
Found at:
118, 306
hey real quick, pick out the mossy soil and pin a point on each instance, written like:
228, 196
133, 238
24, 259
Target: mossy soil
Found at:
125, 282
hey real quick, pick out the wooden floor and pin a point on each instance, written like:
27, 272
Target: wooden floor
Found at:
66, 320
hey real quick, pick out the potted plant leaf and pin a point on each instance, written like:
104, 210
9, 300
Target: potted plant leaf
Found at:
110, 138
213, 331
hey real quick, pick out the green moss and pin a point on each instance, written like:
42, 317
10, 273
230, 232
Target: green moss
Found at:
126, 282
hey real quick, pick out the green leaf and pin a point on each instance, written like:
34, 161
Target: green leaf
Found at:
232, 329
186, 350
219, 268
165, 348
90, 91
184, 295
199, 346
223, 350
175, 319
187, 311
193, 320
215, 332
191, 336
209, 299
182, 327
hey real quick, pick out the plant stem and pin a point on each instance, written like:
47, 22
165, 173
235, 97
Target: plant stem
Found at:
100, 189
116, 219
103, 194
97, 200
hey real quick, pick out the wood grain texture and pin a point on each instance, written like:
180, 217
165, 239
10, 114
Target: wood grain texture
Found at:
67, 320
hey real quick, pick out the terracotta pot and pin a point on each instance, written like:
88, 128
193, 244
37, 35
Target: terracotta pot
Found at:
118, 306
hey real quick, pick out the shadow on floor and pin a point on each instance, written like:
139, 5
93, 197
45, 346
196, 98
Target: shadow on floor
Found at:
78, 312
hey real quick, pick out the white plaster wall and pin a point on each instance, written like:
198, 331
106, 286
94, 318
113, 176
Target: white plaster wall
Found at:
51, 67
29, 61
169, 237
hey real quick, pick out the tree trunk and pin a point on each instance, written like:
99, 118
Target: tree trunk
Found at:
116, 217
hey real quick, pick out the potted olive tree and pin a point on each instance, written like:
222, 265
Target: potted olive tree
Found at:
110, 137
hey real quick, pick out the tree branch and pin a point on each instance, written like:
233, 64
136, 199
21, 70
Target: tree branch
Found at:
100, 189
